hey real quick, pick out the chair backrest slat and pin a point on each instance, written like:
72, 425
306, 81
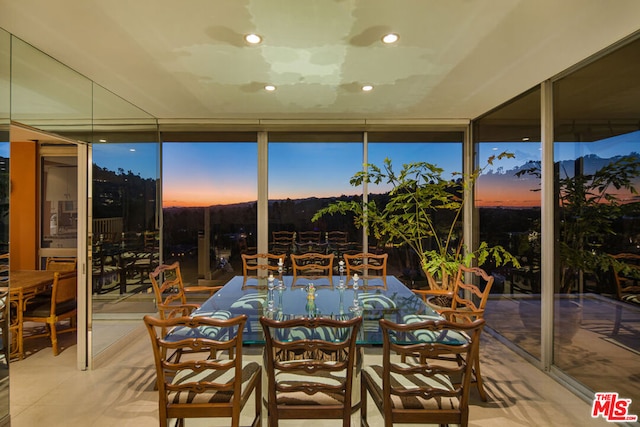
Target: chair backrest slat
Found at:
169, 292
252, 265
65, 288
61, 264
627, 276
309, 236
470, 296
312, 356
312, 265
367, 265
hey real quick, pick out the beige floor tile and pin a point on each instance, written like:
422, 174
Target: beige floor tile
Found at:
49, 391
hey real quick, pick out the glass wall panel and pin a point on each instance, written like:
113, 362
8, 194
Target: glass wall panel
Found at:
442, 149
5, 78
125, 225
306, 173
209, 204
597, 161
508, 204
48, 95
5, 73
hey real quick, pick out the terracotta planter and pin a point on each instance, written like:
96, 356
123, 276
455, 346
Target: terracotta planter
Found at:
439, 302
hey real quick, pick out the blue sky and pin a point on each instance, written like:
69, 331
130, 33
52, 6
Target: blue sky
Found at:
212, 173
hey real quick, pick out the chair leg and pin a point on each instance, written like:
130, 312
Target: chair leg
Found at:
483, 394
54, 338
258, 396
363, 403
616, 325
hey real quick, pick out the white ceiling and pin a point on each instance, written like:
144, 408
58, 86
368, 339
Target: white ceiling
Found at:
456, 59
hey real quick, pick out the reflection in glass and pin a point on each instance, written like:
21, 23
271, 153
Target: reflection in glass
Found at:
5, 67
125, 238
508, 203
60, 204
596, 150
125, 242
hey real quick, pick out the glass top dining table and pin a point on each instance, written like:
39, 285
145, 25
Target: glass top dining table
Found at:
285, 298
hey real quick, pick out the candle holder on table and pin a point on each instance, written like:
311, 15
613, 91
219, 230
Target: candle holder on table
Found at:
270, 288
280, 286
341, 284
356, 302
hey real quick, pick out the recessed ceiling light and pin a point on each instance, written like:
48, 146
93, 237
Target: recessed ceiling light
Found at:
253, 38
367, 88
269, 88
526, 138
103, 140
132, 150
390, 38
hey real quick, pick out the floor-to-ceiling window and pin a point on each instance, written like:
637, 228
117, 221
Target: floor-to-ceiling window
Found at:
307, 172
442, 149
508, 204
125, 225
209, 207
596, 173
597, 156
124, 216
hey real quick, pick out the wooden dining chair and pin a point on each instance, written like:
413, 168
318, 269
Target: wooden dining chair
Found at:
4, 329
172, 299
313, 247
626, 278
283, 240
206, 385
367, 266
334, 237
310, 368
253, 265
313, 266
53, 308
282, 243
351, 248
424, 389
472, 289
61, 263
468, 301
171, 293
310, 236
4, 270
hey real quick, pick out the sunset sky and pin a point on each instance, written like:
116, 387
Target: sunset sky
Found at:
202, 174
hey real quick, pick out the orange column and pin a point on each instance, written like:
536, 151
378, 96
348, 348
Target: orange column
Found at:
23, 206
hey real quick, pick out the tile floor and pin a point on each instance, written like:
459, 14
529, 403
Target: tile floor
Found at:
49, 391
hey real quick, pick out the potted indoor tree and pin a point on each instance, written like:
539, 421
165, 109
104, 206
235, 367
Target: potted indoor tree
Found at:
423, 211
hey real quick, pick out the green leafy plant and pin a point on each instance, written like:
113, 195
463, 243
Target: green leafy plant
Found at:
422, 211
